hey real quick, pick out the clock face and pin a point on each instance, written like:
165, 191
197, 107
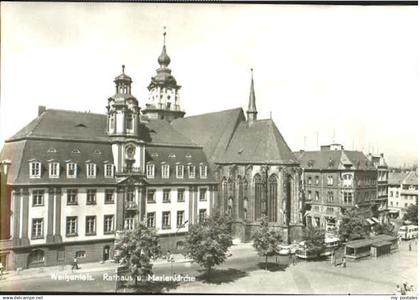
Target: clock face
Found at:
130, 150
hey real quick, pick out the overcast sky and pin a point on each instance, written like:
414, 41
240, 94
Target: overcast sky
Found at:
343, 73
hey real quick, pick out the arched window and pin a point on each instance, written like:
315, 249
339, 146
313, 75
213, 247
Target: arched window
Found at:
229, 207
258, 188
245, 208
36, 257
240, 196
224, 192
272, 198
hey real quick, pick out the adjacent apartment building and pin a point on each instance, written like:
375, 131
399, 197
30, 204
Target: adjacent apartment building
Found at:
335, 179
380, 208
402, 192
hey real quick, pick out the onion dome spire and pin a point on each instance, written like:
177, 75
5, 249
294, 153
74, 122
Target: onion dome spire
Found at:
252, 108
164, 60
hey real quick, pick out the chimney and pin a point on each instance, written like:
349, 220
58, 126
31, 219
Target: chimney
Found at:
41, 109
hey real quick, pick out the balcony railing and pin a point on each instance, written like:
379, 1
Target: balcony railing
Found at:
131, 206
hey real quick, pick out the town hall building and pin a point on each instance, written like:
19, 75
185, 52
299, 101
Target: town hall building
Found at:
76, 179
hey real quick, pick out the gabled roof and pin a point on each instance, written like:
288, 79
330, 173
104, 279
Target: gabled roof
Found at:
396, 178
213, 130
334, 160
66, 125
81, 126
411, 178
260, 142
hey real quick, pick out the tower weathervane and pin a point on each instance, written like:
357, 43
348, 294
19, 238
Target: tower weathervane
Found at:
123, 67
164, 35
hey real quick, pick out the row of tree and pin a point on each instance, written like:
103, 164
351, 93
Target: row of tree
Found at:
208, 242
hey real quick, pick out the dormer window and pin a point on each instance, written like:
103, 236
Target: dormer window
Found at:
54, 169
75, 151
179, 171
109, 170
150, 171
165, 171
35, 169
91, 170
71, 170
191, 171
203, 171
52, 150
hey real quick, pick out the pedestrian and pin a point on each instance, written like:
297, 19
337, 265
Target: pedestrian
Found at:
412, 289
290, 258
1, 270
294, 257
404, 289
409, 246
333, 258
75, 265
398, 290
343, 262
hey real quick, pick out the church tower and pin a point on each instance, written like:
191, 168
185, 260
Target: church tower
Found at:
163, 102
123, 123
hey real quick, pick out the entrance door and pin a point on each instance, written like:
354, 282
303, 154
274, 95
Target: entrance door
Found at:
106, 253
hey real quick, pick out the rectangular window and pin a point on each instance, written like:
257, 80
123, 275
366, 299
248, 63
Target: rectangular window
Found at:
37, 228
129, 224
54, 170
151, 196
179, 218
71, 170
109, 196
165, 171
151, 219
90, 225
330, 210
203, 171
35, 169
71, 226
309, 195
309, 180
71, 197
330, 197
202, 215
166, 195
38, 198
109, 170
316, 180
397, 194
108, 224
91, 170
179, 171
181, 193
203, 194
129, 121
316, 196
130, 195
330, 180
166, 220
348, 198
191, 171
91, 197
150, 171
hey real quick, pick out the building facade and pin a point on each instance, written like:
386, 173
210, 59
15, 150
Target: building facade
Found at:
380, 209
78, 179
402, 192
335, 179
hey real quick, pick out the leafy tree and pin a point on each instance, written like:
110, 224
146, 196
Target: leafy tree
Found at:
314, 240
412, 214
137, 248
352, 225
208, 242
266, 240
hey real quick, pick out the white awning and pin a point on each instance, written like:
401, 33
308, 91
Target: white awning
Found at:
370, 221
375, 220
